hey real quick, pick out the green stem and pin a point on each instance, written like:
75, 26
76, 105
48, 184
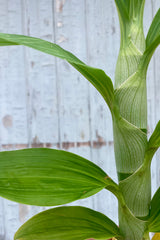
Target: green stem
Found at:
130, 122
131, 227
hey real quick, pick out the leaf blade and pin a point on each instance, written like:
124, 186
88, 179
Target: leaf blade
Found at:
154, 141
153, 36
136, 191
68, 223
131, 97
130, 145
96, 76
154, 220
48, 177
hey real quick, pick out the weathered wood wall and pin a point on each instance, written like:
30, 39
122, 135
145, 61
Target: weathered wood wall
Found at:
44, 102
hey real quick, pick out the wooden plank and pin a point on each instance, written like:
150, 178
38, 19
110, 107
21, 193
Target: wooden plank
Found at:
41, 86
45, 102
69, 20
13, 105
41, 75
148, 16
156, 6
103, 44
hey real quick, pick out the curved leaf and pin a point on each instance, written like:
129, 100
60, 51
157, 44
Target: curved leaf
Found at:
48, 177
153, 36
96, 76
68, 223
154, 141
154, 220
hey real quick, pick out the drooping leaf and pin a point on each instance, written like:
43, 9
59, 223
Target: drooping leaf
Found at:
153, 36
48, 177
68, 223
96, 76
130, 145
154, 220
136, 191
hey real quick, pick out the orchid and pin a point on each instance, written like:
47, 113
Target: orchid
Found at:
49, 177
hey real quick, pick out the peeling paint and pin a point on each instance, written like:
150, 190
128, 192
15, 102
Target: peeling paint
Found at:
82, 135
60, 5
62, 39
7, 121
59, 24
46, 22
32, 64
23, 211
64, 145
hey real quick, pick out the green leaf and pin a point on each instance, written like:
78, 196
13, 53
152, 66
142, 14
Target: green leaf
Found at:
130, 145
132, 38
153, 36
154, 141
131, 98
128, 61
154, 220
68, 223
136, 191
123, 6
48, 177
128, 9
131, 227
96, 76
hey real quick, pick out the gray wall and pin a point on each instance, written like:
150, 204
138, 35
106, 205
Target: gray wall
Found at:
44, 102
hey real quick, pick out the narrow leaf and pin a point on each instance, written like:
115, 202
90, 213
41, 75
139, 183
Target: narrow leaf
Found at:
154, 141
154, 220
48, 177
96, 76
153, 36
68, 223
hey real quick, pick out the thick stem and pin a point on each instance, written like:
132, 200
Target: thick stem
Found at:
130, 122
131, 227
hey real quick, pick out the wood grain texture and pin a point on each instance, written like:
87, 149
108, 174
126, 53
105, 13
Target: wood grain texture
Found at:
44, 102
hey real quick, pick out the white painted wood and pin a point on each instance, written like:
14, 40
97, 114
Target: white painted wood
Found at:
156, 6
102, 36
70, 29
148, 16
45, 102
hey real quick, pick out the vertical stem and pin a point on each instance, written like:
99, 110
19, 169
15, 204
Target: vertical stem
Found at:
130, 124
